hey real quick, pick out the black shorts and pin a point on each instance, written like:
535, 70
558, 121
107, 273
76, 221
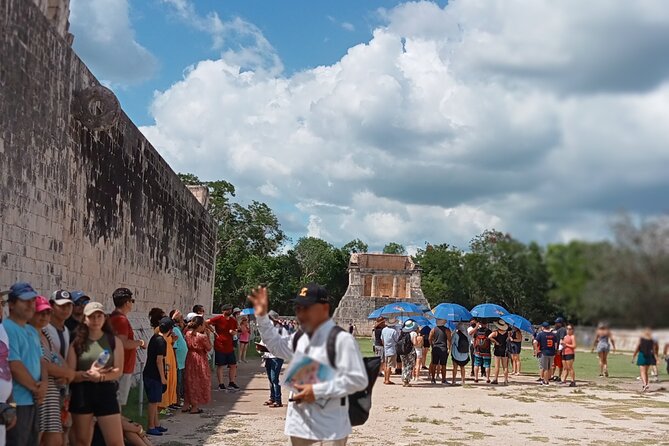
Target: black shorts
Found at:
439, 356
501, 353
225, 358
568, 357
100, 399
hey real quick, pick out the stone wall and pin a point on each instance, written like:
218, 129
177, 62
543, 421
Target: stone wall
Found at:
85, 201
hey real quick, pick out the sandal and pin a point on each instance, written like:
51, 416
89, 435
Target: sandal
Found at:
196, 412
276, 405
268, 403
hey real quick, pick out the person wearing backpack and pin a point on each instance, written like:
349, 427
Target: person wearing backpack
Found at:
460, 352
482, 350
317, 413
407, 351
440, 339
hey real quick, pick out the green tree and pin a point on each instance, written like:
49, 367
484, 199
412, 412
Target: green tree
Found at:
394, 248
356, 245
443, 274
322, 263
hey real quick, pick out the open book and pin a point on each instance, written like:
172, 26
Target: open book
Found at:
306, 370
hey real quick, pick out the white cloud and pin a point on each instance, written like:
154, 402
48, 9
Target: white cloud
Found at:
447, 122
105, 40
348, 26
244, 43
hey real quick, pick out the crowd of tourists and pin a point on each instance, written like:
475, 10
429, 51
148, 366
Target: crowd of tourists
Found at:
66, 366
493, 348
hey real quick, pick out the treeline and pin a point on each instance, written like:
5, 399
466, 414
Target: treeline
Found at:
624, 281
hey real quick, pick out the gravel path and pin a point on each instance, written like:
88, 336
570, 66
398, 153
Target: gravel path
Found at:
598, 413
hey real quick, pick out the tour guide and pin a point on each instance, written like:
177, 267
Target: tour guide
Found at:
318, 414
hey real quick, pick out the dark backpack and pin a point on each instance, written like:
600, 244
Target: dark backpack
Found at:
463, 342
404, 344
359, 403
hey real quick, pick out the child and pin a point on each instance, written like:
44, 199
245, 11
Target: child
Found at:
155, 374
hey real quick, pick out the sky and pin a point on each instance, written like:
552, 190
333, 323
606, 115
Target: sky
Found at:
411, 122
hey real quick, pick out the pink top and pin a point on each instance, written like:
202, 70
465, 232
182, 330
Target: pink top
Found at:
244, 333
568, 340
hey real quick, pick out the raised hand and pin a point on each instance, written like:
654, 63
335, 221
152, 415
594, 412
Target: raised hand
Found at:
259, 297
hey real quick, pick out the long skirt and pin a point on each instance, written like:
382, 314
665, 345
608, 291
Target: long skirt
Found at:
408, 364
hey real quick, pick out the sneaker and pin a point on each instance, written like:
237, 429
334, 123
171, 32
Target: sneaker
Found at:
161, 429
433, 381
572, 384
443, 381
540, 380
494, 382
221, 387
233, 386
154, 431
165, 413
545, 383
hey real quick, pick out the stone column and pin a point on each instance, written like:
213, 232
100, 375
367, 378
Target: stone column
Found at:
373, 285
396, 284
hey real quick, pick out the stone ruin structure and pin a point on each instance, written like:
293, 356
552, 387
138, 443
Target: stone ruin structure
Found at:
375, 280
85, 201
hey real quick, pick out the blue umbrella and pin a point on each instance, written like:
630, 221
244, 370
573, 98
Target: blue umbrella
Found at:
248, 312
401, 309
489, 311
420, 320
374, 314
518, 322
451, 312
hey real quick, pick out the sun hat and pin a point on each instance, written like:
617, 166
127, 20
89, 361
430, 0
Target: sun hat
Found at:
41, 304
409, 326
93, 307
391, 320
61, 297
502, 325
237, 310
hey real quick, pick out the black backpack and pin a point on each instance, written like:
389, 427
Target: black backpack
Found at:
359, 403
463, 342
404, 344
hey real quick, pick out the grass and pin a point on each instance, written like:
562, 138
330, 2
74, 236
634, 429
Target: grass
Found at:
586, 364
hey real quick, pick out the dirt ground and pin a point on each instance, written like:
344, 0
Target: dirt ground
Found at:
605, 412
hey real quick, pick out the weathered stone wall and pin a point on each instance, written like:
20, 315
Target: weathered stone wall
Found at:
81, 208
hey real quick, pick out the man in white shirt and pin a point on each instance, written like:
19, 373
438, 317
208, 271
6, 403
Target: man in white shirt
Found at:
389, 335
318, 414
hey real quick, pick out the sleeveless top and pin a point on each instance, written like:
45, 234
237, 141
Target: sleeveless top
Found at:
501, 338
92, 350
646, 346
440, 338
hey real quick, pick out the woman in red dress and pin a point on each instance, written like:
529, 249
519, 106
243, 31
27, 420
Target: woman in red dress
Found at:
198, 373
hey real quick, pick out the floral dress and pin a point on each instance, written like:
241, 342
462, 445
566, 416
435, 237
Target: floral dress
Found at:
198, 374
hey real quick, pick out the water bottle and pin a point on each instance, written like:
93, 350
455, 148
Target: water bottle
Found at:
102, 360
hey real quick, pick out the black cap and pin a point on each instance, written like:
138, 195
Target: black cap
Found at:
559, 321
226, 307
166, 324
311, 294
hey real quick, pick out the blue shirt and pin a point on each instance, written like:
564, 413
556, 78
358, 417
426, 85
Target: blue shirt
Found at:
389, 335
180, 348
24, 346
547, 342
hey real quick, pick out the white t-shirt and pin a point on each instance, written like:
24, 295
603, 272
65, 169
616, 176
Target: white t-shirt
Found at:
5, 375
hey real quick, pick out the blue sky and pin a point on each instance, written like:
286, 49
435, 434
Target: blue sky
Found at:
304, 33
402, 121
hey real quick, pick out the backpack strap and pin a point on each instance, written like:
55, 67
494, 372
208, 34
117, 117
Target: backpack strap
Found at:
332, 344
296, 338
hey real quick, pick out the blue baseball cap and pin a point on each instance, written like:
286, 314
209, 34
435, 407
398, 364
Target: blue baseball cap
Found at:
79, 297
545, 325
23, 291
